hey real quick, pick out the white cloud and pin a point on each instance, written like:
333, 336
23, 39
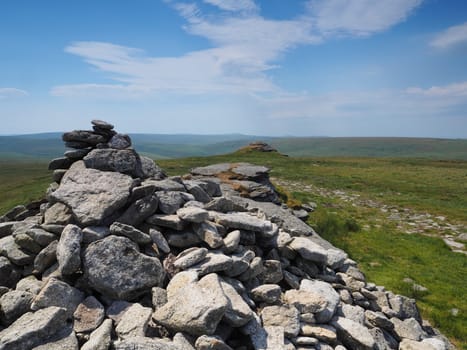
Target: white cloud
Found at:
359, 17
12, 92
234, 5
451, 90
452, 36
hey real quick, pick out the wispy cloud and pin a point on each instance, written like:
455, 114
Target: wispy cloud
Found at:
452, 36
359, 17
12, 92
451, 90
246, 46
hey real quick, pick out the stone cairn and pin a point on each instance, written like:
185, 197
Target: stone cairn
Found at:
120, 256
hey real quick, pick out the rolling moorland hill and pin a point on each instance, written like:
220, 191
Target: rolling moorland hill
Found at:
161, 146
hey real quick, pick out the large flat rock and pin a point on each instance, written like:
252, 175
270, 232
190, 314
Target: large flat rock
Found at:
93, 195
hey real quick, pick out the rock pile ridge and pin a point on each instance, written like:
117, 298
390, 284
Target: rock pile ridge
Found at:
120, 256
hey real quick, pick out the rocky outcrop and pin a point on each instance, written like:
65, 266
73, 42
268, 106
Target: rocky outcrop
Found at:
119, 256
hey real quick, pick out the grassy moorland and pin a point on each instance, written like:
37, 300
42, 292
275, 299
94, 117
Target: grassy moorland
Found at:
342, 188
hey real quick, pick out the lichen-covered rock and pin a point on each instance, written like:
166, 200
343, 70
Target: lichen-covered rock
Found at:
127, 279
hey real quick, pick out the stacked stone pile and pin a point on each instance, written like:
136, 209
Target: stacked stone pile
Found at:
120, 256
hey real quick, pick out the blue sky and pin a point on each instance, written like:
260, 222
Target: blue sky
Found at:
270, 67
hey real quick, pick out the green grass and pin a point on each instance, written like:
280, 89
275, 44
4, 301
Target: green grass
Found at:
384, 254
22, 182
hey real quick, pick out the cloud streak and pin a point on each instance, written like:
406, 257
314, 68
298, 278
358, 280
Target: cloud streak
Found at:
451, 90
12, 92
450, 37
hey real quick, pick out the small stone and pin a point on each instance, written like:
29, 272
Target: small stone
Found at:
14, 304
134, 322
94, 233
88, 315
353, 334
237, 313
69, 249
408, 328
99, 338
159, 297
305, 301
139, 210
231, 241
120, 141
169, 221
116, 310
137, 236
322, 332
207, 232
170, 201
213, 262
286, 316
268, 293
326, 291
180, 281
193, 214
190, 257
206, 342
309, 250
102, 124
272, 272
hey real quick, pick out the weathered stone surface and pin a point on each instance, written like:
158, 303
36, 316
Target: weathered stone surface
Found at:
223, 205
64, 339
268, 293
231, 241
32, 329
206, 342
76, 154
58, 214
99, 338
378, 319
182, 239
408, 328
353, 312
166, 185
326, 291
353, 334
193, 214
134, 322
88, 137
120, 141
69, 249
207, 232
133, 274
243, 221
286, 316
60, 163
309, 250
58, 293
159, 240
125, 161
159, 297
194, 309
116, 310
237, 313
45, 258
404, 307
143, 343
213, 262
30, 284
88, 315
14, 304
272, 272
190, 257
6, 228
93, 195
180, 281
170, 201
101, 124
14, 253
196, 189
137, 236
140, 210
169, 221
41, 236
305, 301
9, 274
94, 233
321, 332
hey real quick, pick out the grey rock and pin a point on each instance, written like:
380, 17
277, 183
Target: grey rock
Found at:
99, 338
404, 307
196, 189
159, 297
9, 273
142, 191
194, 309
237, 313
190, 257
323, 332
159, 240
254, 269
120, 141
14, 253
58, 175
408, 328
54, 228
352, 312
169, 221
272, 272
207, 232
60, 163
69, 249
14, 304
182, 239
94, 233
243, 221
45, 258
326, 291
257, 333
383, 340
309, 250
26, 242
143, 343
286, 316
268, 293
116, 310
211, 170
134, 322
88, 137
125, 161
30, 284
6, 228
193, 214
306, 341
182, 342
133, 274
93, 195
32, 329
378, 319
180, 281
206, 342
58, 293
76, 154
140, 210
150, 169
137, 236
231, 241
64, 339
41, 236
165, 185
353, 334
305, 301
170, 201
292, 280
335, 258
223, 205
213, 262
88, 315
102, 124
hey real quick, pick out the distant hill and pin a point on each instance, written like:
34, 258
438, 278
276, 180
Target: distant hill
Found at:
49, 145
